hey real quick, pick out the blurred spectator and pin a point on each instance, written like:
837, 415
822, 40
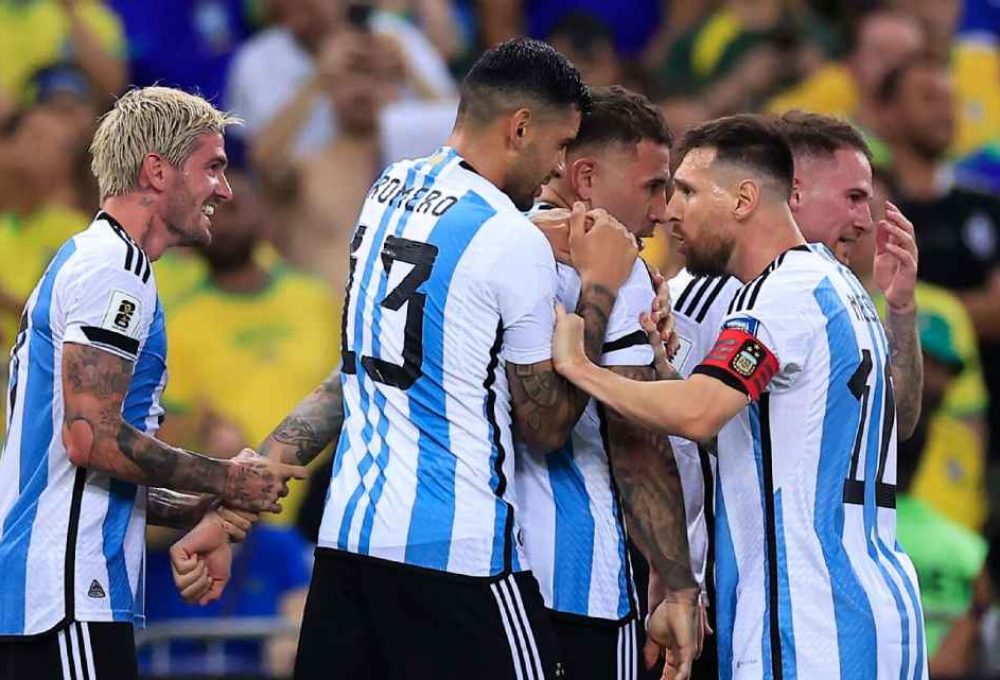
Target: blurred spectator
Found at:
269, 578
589, 44
947, 556
958, 229
737, 55
318, 193
436, 18
881, 40
974, 56
247, 343
41, 197
275, 80
981, 169
209, 31
39, 33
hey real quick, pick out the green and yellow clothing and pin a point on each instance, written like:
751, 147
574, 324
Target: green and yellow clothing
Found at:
951, 475
28, 244
250, 358
832, 90
947, 557
36, 33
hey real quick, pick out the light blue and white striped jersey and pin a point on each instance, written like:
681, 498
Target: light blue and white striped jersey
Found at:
574, 529
811, 582
699, 304
448, 283
72, 540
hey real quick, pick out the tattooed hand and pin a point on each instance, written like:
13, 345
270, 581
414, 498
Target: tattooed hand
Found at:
256, 483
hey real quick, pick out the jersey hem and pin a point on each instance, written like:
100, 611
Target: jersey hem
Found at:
428, 571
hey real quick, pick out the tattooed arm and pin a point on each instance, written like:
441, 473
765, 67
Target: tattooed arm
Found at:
311, 426
650, 485
166, 508
907, 368
95, 435
546, 405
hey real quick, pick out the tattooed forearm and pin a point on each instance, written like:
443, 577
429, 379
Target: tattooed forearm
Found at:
94, 386
546, 405
594, 306
311, 426
907, 369
168, 508
650, 487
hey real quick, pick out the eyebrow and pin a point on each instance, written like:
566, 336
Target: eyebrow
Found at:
219, 158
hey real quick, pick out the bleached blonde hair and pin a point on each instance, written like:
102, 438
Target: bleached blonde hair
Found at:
160, 120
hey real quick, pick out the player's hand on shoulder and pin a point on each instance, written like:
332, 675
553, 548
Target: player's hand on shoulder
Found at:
256, 483
662, 314
604, 253
554, 224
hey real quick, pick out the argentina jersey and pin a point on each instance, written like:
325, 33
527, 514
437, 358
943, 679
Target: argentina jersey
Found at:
71, 539
448, 282
810, 579
572, 518
699, 305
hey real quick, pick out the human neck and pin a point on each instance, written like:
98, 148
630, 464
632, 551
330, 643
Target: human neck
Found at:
769, 235
557, 194
135, 213
482, 150
246, 278
915, 174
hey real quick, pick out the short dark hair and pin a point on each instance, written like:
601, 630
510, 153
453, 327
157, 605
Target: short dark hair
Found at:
888, 88
816, 134
746, 139
620, 116
517, 72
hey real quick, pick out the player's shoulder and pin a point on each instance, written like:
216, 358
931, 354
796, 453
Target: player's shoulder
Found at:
787, 284
697, 297
106, 247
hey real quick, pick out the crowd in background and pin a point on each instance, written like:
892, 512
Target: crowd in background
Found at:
329, 94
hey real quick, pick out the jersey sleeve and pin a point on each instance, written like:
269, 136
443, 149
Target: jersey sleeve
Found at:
109, 308
761, 349
526, 282
625, 343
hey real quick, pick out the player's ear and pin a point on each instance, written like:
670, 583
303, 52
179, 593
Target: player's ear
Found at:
581, 177
795, 199
747, 198
154, 172
518, 126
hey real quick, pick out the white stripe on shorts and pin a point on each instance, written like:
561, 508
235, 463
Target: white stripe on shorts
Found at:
524, 651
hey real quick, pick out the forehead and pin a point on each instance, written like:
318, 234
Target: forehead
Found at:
696, 162
208, 145
845, 167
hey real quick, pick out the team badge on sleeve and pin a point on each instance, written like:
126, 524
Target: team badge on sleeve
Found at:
740, 360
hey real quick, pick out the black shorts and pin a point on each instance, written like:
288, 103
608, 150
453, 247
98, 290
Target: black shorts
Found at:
79, 651
368, 619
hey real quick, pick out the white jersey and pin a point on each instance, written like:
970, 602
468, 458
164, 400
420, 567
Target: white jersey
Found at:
574, 530
449, 282
699, 305
72, 539
810, 579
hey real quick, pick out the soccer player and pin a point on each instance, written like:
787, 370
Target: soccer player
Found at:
830, 203
810, 579
572, 498
87, 372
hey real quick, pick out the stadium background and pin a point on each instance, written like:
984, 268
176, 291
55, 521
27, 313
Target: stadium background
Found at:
331, 93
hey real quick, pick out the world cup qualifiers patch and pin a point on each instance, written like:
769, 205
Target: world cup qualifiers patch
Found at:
123, 314
740, 360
